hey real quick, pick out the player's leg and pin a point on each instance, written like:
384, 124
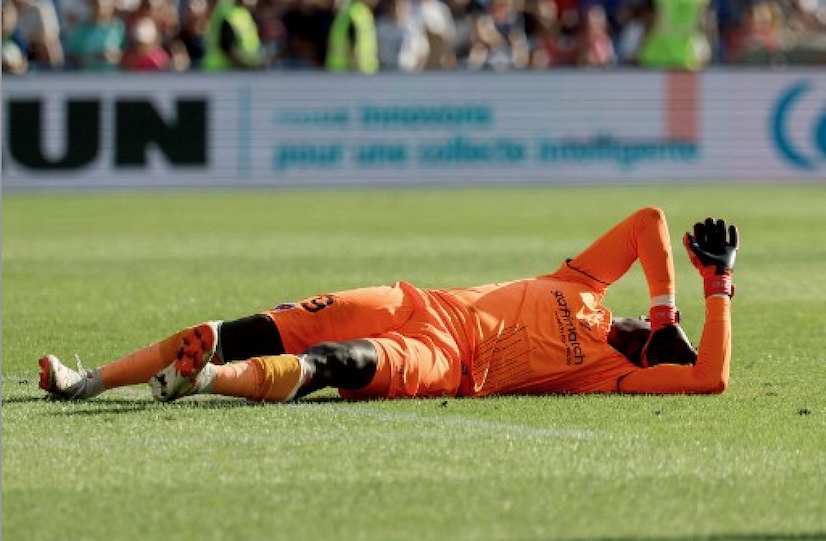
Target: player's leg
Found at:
320, 339
417, 361
192, 346
276, 378
338, 316
342, 365
210, 341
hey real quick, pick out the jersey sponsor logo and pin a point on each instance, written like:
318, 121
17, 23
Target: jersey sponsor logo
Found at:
566, 324
802, 148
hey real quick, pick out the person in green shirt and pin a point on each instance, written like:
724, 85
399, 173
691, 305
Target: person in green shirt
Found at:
676, 39
353, 45
232, 41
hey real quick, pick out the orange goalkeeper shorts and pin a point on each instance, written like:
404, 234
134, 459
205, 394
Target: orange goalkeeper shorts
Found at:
418, 335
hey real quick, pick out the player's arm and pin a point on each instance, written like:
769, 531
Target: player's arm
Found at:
710, 374
641, 236
712, 249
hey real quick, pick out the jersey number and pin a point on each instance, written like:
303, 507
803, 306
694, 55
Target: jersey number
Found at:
317, 303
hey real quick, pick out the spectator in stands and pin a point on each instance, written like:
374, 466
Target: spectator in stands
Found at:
464, 13
550, 47
97, 44
567, 10
634, 19
402, 40
759, 39
352, 44
38, 24
806, 32
535, 14
72, 13
727, 16
595, 49
479, 34
807, 17
194, 20
677, 38
268, 17
614, 11
14, 58
232, 41
569, 16
164, 15
500, 42
307, 25
144, 51
437, 20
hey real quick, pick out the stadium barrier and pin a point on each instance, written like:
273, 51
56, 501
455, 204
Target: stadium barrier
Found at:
83, 131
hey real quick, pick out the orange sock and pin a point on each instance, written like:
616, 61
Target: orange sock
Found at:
271, 379
140, 366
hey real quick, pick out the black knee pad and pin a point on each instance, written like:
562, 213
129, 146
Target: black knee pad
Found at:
345, 365
252, 336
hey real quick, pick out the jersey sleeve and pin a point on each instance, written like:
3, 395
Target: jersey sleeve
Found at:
641, 236
709, 375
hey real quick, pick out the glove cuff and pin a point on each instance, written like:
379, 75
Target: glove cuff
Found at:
717, 284
662, 315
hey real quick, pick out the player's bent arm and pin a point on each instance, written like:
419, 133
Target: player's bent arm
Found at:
642, 235
711, 372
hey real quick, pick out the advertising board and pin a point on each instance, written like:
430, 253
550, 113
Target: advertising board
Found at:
277, 129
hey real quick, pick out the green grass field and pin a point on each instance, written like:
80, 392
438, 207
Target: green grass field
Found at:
102, 274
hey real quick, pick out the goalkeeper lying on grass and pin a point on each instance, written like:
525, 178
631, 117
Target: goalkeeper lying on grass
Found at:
549, 334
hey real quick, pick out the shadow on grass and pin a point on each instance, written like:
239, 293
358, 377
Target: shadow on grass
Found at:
23, 400
109, 406
321, 400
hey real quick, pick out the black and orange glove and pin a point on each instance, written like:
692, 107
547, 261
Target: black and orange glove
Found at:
713, 250
667, 343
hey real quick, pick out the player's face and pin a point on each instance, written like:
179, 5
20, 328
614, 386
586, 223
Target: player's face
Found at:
628, 336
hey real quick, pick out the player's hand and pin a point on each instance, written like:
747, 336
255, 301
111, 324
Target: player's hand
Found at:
713, 250
668, 344
713, 247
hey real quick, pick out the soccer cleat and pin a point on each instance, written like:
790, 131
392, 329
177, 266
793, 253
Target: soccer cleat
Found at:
186, 375
63, 383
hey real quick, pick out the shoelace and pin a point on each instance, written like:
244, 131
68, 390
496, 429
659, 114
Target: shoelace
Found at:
83, 373
80, 369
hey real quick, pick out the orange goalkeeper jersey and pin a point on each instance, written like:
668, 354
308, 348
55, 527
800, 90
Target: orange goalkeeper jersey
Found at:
541, 335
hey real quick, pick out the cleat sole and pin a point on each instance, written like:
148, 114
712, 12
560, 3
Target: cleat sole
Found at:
197, 346
179, 378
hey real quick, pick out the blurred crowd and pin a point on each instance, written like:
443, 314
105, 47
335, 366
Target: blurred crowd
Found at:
407, 35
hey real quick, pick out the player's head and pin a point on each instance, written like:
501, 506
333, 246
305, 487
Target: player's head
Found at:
628, 336
669, 345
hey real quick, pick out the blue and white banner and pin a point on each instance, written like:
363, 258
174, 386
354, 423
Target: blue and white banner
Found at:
313, 129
